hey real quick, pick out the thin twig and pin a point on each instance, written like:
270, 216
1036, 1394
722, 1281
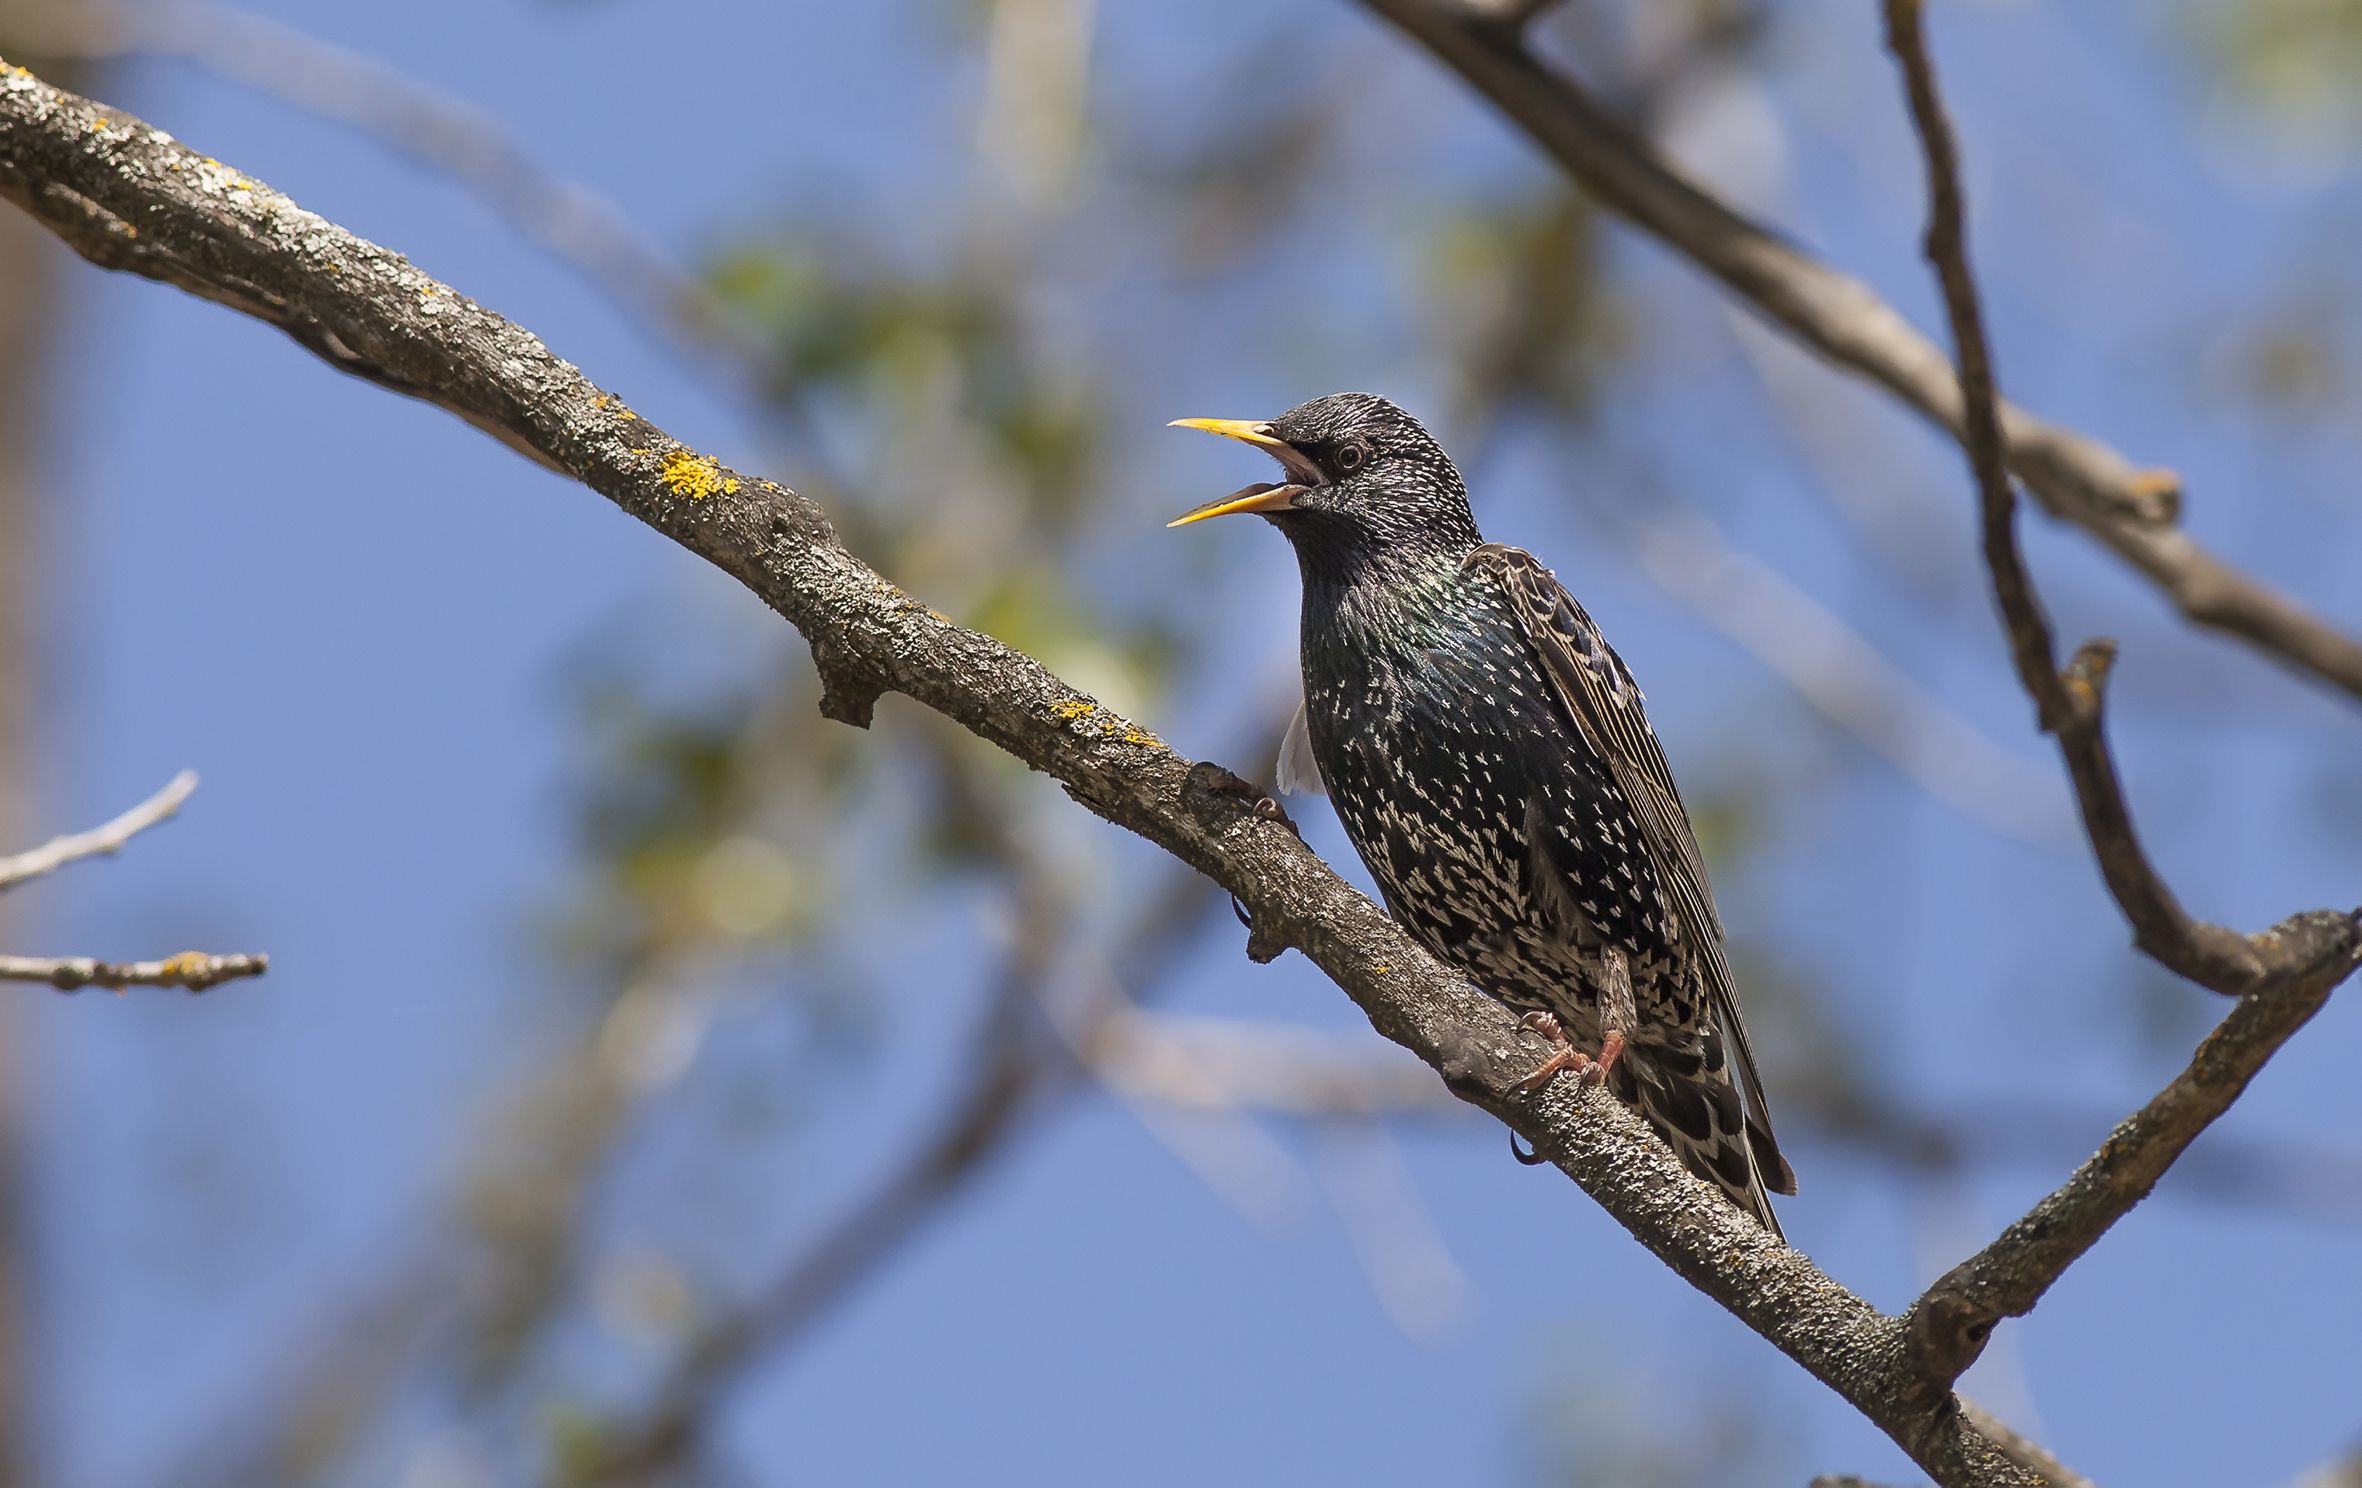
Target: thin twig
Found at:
193, 971
2129, 510
1946, 245
2281, 977
2071, 704
1952, 1320
98, 841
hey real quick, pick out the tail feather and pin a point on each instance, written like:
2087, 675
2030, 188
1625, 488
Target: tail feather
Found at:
1777, 1175
1698, 1113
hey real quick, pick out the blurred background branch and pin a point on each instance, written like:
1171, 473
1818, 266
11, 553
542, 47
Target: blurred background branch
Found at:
99, 841
190, 971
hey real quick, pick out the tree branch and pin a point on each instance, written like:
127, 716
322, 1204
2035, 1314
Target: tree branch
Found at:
2068, 705
2026, 1453
1952, 1320
2281, 977
196, 971
98, 841
2077, 479
129, 197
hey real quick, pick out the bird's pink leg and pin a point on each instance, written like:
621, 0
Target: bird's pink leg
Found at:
1618, 1012
1564, 1056
1611, 1049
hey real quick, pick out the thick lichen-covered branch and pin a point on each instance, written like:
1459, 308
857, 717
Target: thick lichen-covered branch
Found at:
129, 197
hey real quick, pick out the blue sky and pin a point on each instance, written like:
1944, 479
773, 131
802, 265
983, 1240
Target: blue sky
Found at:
351, 615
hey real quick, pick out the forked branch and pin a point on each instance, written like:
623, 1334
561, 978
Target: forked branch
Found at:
2281, 977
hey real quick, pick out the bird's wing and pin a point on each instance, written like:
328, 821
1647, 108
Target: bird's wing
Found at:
1597, 690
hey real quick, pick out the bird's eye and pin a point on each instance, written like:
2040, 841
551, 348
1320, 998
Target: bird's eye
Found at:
1352, 455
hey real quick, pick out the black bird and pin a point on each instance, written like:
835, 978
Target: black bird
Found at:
1490, 759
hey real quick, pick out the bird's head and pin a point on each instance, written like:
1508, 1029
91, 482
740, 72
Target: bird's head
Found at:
1361, 481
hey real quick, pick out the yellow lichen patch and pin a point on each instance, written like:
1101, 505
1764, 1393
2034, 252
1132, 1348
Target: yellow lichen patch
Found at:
1138, 735
216, 177
1380, 970
697, 476
186, 964
1074, 708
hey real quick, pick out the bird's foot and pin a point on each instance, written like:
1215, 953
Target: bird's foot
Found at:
1611, 1049
1564, 1056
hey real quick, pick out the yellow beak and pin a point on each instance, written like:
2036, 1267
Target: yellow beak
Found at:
1262, 496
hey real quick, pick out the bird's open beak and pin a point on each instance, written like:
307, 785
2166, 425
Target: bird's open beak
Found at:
1262, 496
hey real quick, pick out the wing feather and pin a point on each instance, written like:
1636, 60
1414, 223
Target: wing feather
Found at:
1606, 705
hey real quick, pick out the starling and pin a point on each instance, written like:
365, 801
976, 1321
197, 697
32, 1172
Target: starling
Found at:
1490, 759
